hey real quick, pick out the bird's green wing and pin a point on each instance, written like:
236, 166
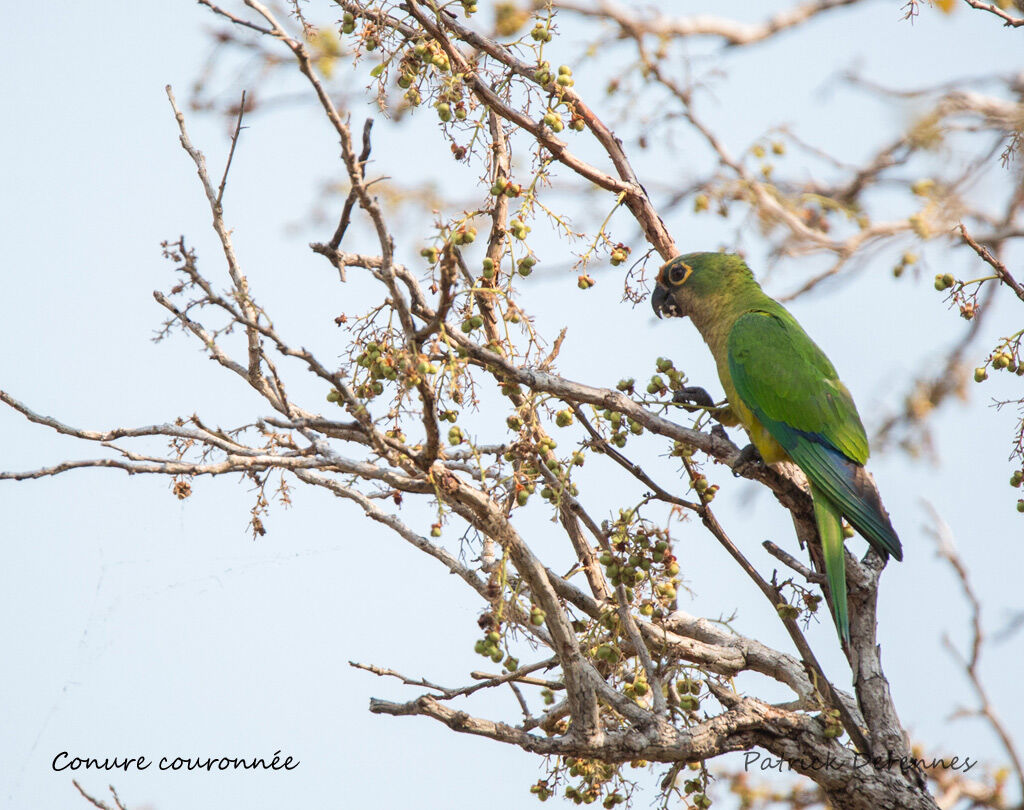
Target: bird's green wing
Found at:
791, 387
781, 373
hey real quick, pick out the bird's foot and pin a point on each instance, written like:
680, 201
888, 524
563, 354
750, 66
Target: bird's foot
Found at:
747, 462
693, 398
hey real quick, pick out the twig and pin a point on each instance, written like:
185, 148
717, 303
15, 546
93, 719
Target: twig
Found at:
346, 212
231, 154
1008, 19
788, 559
987, 257
96, 802
633, 469
448, 694
238, 280
236, 20
547, 684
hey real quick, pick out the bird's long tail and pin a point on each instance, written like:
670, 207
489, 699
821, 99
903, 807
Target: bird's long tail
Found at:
850, 487
830, 530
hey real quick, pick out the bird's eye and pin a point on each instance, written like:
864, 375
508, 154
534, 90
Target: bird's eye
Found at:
678, 273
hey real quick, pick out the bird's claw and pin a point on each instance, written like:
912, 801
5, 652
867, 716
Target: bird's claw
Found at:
693, 397
748, 458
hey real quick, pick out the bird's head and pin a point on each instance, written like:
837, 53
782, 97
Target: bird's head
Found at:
688, 282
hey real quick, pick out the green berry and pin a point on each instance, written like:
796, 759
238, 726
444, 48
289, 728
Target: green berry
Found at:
787, 611
689, 703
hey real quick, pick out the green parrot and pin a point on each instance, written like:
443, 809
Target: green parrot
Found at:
788, 397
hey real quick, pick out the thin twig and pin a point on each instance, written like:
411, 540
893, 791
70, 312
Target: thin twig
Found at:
987, 257
1008, 19
788, 559
231, 154
346, 213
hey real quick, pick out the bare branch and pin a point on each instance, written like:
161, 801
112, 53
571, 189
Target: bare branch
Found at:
732, 32
1008, 19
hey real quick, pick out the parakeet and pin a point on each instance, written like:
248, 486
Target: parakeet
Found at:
784, 391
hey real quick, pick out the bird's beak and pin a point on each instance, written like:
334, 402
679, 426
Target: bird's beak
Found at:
658, 299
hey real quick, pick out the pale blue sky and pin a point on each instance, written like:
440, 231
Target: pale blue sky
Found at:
138, 624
